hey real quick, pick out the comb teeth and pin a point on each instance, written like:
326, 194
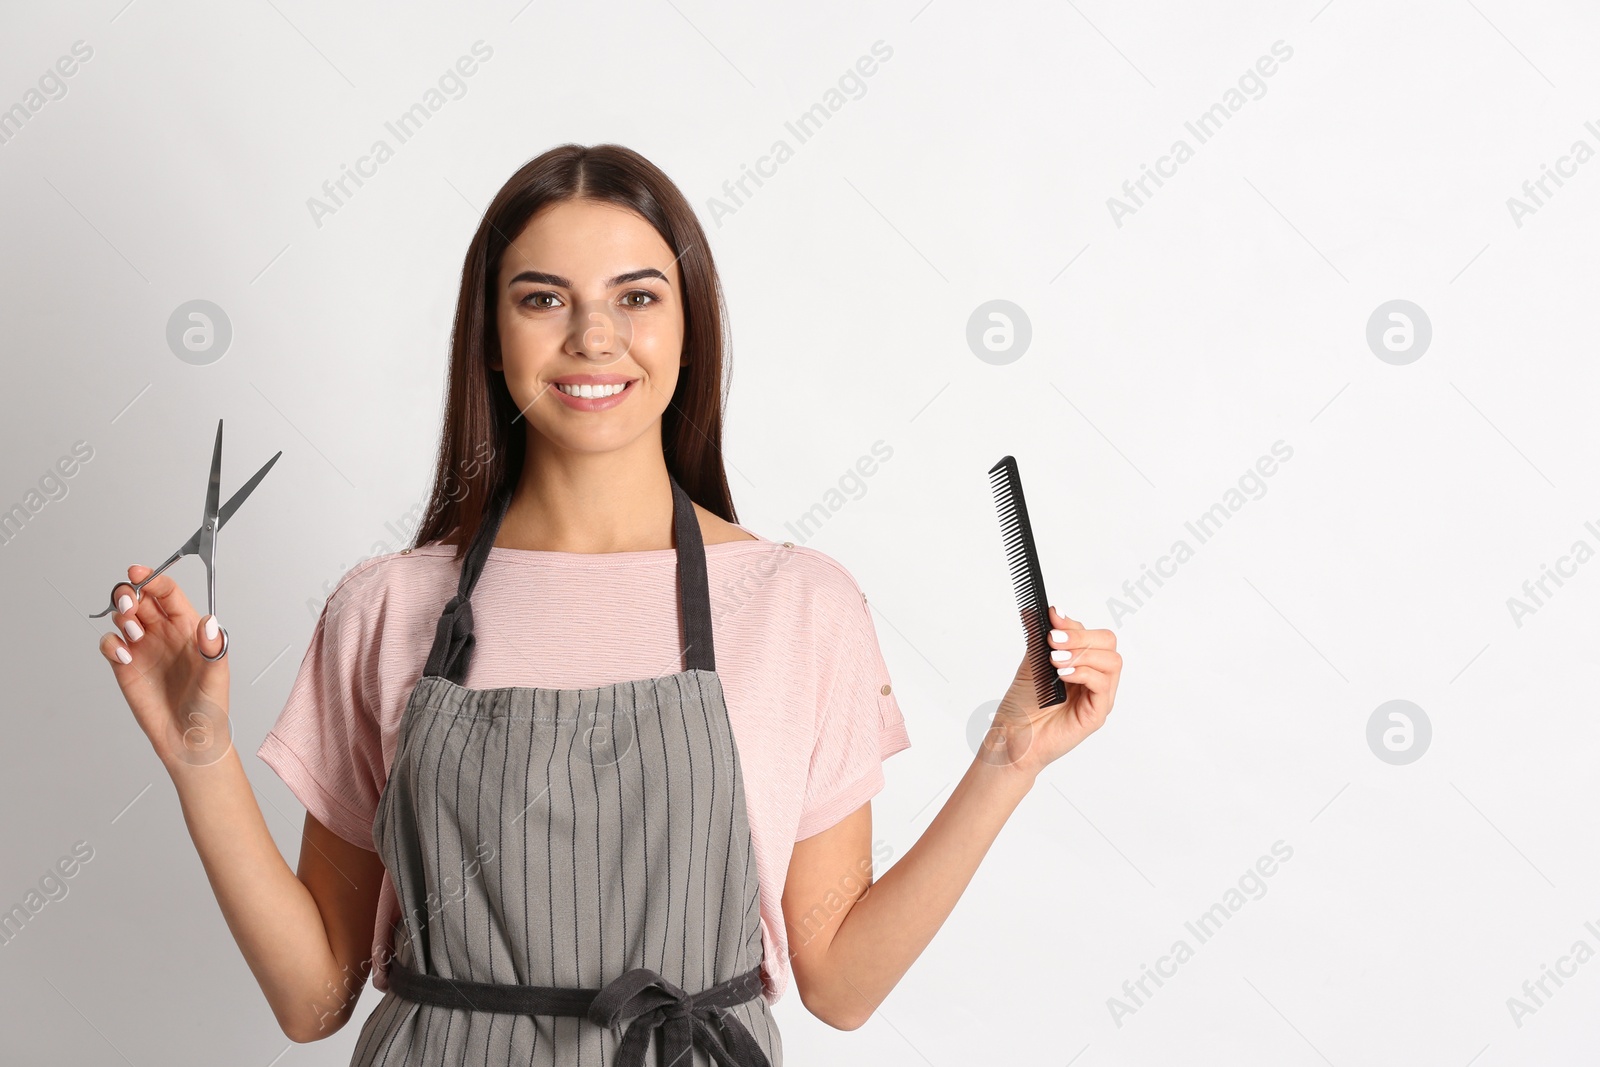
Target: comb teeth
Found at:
1022, 557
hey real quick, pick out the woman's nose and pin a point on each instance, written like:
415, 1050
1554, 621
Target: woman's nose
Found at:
600, 332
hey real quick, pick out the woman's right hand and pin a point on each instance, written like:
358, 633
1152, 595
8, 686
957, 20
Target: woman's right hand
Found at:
178, 697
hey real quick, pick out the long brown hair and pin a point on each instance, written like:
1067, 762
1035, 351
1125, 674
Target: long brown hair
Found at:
480, 445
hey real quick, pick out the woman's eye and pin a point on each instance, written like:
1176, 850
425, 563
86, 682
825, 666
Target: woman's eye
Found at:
532, 299
649, 298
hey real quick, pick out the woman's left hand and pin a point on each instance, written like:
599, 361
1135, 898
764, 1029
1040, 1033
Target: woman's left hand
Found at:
1028, 737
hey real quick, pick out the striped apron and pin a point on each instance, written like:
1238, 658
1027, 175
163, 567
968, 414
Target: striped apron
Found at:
575, 872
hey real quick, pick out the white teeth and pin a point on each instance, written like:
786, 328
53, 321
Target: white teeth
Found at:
591, 390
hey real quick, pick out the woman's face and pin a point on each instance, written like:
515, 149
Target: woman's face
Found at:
589, 299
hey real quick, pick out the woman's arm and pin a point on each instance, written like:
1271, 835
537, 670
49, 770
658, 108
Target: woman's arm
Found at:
306, 938
850, 949
852, 939
344, 879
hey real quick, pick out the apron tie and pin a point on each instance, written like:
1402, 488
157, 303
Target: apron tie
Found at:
646, 1002
641, 1000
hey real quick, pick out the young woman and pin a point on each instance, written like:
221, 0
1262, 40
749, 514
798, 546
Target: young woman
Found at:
587, 769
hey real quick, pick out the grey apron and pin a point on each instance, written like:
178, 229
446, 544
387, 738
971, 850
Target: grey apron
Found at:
574, 868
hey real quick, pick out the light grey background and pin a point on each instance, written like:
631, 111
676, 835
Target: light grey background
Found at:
1167, 354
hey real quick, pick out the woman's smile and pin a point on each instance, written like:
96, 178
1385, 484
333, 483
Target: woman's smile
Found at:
593, 392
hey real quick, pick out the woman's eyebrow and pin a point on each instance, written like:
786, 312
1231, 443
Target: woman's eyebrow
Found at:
555, 279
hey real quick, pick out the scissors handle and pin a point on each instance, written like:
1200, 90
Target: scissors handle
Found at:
223, 651
138, 586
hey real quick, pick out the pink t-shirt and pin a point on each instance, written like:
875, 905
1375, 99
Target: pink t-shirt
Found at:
808, 693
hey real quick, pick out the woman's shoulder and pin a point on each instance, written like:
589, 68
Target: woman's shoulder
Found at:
808, 574
377, 581
830, 576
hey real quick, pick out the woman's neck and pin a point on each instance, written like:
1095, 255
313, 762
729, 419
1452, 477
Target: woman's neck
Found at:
590, 503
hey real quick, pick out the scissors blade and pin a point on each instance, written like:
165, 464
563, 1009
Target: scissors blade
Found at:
214, 486
192, 546
208, 523
205, 537
245, 490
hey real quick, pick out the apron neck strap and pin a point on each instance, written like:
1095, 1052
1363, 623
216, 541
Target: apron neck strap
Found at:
694, 588
453, 638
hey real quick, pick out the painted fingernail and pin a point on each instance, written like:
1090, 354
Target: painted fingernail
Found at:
1064, 671
122, 654
135, 631
1058, 635
211, 628
125, 604
1061, 655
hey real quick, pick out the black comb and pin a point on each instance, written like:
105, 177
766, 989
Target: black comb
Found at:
1023, 557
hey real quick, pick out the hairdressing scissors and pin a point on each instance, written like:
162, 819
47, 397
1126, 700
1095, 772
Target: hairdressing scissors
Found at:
204, 540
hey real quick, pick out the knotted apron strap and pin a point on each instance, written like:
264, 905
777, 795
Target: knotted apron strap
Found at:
646, 1003
453, 639
640, 1001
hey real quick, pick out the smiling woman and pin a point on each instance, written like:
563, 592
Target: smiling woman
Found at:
622, 817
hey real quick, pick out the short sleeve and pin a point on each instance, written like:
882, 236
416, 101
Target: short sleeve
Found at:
859, 724
326, 743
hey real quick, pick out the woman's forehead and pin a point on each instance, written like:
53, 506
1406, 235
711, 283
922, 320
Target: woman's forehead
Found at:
586, 242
